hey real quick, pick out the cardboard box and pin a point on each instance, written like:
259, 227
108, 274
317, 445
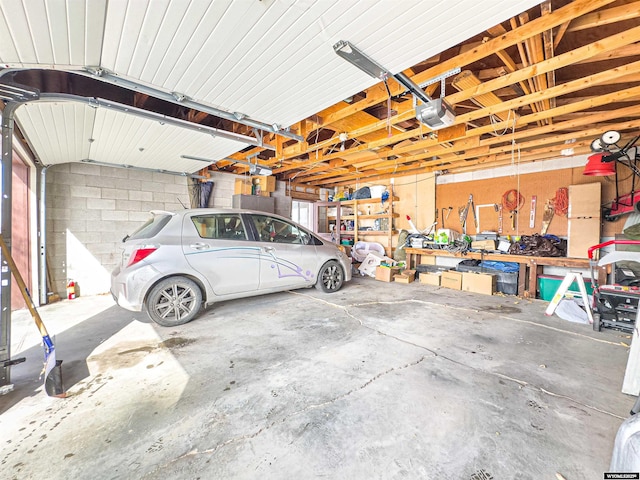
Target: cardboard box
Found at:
386, 274
583, 233
451, 279
584, 200
242, 187
430, 278
372, 261
427, 260
483, 245
407, 276
484, 283
264, 184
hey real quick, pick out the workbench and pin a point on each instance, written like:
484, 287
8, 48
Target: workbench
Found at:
530, 267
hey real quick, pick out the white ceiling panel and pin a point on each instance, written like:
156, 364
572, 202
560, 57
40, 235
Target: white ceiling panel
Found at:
64, 132
273, 60
50, 32
57, 131
126, 139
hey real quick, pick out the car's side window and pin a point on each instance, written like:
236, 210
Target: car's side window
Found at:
220, 226
278, 231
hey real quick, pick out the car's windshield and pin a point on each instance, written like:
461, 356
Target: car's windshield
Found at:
150, 228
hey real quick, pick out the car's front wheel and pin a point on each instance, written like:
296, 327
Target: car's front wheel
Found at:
174, 301
330, 277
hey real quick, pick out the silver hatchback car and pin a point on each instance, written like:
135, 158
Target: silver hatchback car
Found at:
179, 261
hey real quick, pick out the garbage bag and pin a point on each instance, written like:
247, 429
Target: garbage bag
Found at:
469, 262
537, 245
364, 192
508, 267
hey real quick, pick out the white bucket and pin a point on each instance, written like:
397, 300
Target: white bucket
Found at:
377, 190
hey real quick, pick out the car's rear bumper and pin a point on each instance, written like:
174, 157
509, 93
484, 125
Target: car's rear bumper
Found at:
129, 286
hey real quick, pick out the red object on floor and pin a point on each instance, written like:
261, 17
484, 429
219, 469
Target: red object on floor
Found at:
71, 290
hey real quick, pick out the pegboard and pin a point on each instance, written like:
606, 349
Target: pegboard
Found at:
543, 185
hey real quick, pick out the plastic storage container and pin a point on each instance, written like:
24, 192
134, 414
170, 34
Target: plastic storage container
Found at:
548, 286
506, 282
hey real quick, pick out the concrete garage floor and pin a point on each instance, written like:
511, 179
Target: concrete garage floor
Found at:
378, 380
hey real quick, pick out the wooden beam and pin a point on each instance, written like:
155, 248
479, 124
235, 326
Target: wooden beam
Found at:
509, 63
566, 13
526, 73
547, 40
560, 33
606, 17
541, 131
563, 89
466, 79
525, 63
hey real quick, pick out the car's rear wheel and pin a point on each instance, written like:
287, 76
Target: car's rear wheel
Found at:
330, 277
174, 301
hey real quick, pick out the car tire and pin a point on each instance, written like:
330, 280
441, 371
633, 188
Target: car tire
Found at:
174, 301
330, 277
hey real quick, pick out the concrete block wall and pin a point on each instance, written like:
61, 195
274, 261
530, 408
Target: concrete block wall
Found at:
224, 188
90, 208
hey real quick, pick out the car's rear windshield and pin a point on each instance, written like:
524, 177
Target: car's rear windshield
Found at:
150, 228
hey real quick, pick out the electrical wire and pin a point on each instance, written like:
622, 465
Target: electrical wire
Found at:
495, 120
512, 200
561, 201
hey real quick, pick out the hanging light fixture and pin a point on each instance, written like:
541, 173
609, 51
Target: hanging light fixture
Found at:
597, 168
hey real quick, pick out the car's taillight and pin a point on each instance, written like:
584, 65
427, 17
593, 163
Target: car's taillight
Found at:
141, 254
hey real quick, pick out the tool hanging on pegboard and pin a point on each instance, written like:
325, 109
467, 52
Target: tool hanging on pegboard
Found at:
513, 201
445, 217
478, 207
500, 219
464, 213
532, 214
547, 216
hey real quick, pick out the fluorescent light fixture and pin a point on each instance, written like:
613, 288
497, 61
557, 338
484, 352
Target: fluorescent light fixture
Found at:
354, 56
254, 168
199, 159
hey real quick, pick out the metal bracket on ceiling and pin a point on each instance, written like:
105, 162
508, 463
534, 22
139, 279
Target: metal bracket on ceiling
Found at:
15, 92
441, 78
162, 119
178, 98
259, 136
181, 99
143, 169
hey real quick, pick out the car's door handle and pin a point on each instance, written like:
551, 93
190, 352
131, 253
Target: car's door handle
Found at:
199, 246
269, 249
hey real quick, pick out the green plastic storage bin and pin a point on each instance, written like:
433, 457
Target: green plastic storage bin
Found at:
548, 286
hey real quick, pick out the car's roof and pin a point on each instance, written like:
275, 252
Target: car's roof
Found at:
205, 211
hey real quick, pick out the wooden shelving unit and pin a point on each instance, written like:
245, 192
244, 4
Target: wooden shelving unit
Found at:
329, 221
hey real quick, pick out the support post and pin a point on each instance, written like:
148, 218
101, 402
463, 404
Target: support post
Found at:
42, 226
5, 231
